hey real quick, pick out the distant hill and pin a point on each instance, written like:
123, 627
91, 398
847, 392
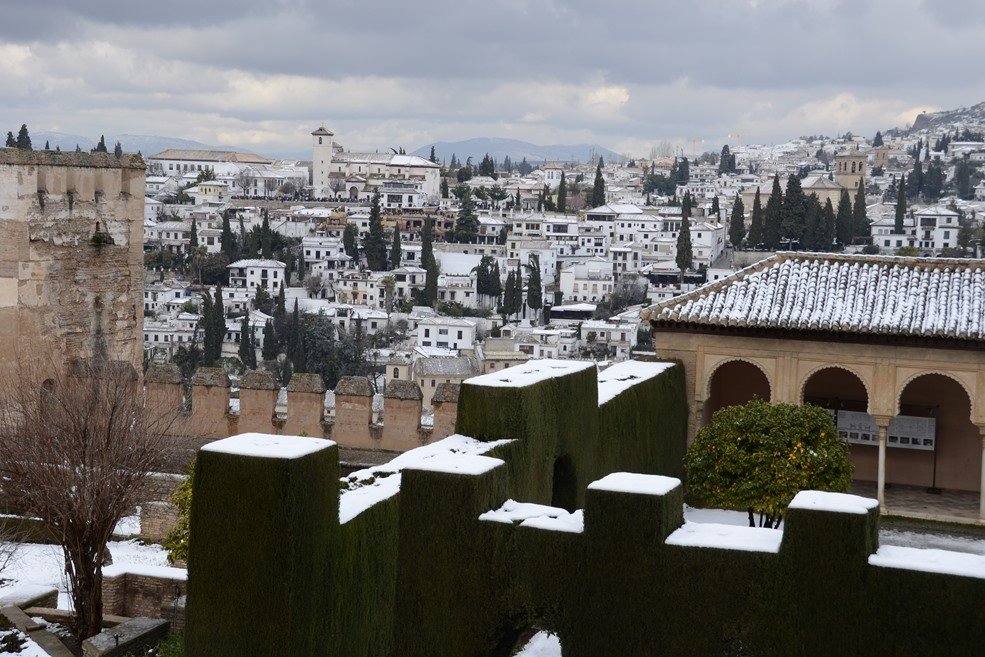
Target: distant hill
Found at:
517, 150
146, 144
970, 118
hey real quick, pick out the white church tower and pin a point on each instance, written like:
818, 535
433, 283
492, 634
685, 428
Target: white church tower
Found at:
321, 162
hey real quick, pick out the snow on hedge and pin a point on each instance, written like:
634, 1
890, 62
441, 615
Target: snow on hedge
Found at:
845, 293
530, 373
364, 488
263, 445
727, 537
640, 484
815, 500
621, 377
539, 516
929, 561
543, 644
568, 522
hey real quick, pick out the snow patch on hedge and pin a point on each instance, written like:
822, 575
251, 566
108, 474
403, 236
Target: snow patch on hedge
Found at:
639, 484
929, 561
530, 373
727, 537
621, 377
816, 500
268, 446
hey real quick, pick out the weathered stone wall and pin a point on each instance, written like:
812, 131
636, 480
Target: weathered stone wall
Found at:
71, 255
156, 520
141, 591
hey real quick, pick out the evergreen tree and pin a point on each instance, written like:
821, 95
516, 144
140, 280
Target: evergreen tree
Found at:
266, 238
562, 194
262, 300
244, 340
444, 187
101, 146
117, 150
811, 238
46, 146
269, 342
374, 244
253, 349
509, 303
433, 158
429, 263
193, 238
495, 284
518, 290
685, 253
716, 210
737, 223
794, 219
683, 171
933, 181
877, 142
756, 225
467, 223
827, 232
914, 182
214, 325
535, 291
11, 142
598, 189
227, 240
23, 138
860, 222
845, 229
349, 237
900, 207
726, 162
962, 179
395, 249
454, 163
295, 340
280, 308
774, 216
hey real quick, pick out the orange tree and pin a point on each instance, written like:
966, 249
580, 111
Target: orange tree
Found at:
758, 456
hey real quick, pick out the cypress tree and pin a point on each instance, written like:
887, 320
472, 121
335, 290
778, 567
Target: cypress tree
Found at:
716, 210
269, 342
444, 188
518, 289
23, 138
227, 240
117, 150
562, 194
295, 340
281, 307
756, 227
845, 230
509, 305
774, 216
535, 292
737, 223
827, 232
193, 238
685, 253
46, 146
434, 157
11, 142
244, 340
349, 236
266, 239
811, 237
900, 206
860, 222
395, 249
467, 223
598, 189
877, 142
101, 146
374, 244
495, 285
794, 219
253, 349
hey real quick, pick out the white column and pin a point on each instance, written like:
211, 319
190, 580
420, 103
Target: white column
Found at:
881, 485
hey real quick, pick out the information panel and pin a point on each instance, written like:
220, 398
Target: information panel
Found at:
858, 428
905, 431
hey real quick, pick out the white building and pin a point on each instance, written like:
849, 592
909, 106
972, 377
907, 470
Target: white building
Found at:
252, 274
446, 333
589, 281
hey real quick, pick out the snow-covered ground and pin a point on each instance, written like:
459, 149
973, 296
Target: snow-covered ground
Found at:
542, 644
42, 565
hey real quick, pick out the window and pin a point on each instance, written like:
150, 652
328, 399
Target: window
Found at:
396, 372
459, 335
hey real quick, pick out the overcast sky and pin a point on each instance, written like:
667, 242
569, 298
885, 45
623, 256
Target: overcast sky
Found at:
262, 74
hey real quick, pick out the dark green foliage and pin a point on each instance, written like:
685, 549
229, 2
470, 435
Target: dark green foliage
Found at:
193, 236
756, 224
24, 139
487, 277
844, 223
598, 188
685, 252
877, 141
245, 346
269, 342
467, 223
900, 207
793, 221
758, 456
117, 150
774, 216
430, 264
213, 324
737, 222
350, 235
562, 194
374, 244
278, 564
266, 238
535, 292
444, 188
860, 222
226, 239
11, 142
726, 162
933, 183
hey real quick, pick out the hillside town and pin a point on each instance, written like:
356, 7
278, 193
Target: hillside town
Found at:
403, 266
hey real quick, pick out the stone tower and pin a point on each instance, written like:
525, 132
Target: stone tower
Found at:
321, 162
71, 256
850, 169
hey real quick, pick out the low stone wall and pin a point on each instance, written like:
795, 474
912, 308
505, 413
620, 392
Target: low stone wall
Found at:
156, 520
133, 591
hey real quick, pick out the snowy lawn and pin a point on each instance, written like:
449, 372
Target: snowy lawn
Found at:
543, 644
42, 565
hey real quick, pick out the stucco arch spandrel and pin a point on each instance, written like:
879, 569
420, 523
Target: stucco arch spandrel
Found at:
967, 381
713, 362
808, 370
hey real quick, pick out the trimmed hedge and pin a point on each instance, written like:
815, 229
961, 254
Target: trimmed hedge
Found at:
259, 566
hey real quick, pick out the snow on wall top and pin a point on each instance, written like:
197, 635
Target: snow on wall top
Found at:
623, 376
937, 297
364, 488
815, 500
530, 373
465, 464
641, 484
727, 537
268, 446
929, 561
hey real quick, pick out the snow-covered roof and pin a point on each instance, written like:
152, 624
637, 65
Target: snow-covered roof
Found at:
874, 295
257, 263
